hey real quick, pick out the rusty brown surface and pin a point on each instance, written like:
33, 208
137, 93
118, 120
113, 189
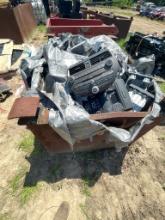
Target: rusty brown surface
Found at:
118, 115
49, 138
24, 107
119, 119
122, 23
43, 116
17, 23
89, 27
54, 143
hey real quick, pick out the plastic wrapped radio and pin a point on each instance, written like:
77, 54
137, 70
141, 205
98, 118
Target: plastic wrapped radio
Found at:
115, 99
94, 74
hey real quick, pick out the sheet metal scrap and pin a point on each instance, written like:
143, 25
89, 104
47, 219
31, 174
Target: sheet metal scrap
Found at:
122, 23
86, 27
24, 107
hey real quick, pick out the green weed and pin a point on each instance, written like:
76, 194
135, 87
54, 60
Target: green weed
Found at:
84, 211
85, 187
41, 28
122, 43
26, 193
162, 87
27, 143
15, 183
5, 216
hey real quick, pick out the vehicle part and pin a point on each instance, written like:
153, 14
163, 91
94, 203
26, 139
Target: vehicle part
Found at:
24, 107
94, 74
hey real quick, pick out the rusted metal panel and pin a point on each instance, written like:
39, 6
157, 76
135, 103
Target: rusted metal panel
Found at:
119, 119
122, 23
25, 20
118, 115
19, 22
86, 27
24, 107
54, 143
49, 138
56, 21
43, 116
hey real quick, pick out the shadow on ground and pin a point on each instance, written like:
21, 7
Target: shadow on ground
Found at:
85, 165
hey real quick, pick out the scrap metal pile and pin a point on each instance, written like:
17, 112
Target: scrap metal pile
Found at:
75, 77
140, 45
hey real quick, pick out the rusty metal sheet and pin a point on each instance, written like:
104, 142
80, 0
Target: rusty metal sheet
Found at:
55, 144
43, 116
24, 107
122, 119
49, 138
119, 119
117, 115
122, 23
19, 22
87, 27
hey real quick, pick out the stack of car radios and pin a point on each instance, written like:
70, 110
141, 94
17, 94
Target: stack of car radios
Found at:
96, 85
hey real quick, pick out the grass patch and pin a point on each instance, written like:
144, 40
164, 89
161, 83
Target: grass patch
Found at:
41, 28
26, 193
5, 216
162, 87
85, 187
27, 143
15, 183
122, 43
84, 211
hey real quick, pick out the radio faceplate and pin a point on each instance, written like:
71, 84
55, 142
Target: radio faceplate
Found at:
94, 74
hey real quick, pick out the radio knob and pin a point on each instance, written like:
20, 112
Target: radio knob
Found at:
108, 64
95, 89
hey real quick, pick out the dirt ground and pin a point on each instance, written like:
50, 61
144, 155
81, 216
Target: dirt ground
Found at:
140, 24
102, 185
